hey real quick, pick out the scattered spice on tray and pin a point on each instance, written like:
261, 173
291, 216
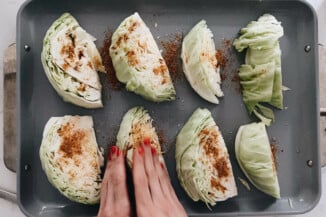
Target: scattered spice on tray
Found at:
171, 55
228, 63
114, 83
274, 152
221, 58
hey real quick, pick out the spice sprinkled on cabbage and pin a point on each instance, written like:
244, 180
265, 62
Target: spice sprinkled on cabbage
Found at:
202, 160
71, 61
138, 62
260, 76
254, 155
136, 129
200, 64
71, 158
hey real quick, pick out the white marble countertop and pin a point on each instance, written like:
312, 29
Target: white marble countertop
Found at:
8, 11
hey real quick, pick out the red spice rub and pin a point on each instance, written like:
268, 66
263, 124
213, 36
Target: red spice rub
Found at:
209, 141
171, 55
71, 140
221, 58
114, 83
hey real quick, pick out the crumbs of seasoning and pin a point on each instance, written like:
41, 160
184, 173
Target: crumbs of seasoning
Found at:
221, 58
274, 152
229, 64
160, 136
114, 83
161, 139
171, 55
71, 140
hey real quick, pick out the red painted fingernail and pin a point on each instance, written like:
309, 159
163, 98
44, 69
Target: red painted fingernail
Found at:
113, 149
140, 150
147, 141
162, 165
153, 150
118, 152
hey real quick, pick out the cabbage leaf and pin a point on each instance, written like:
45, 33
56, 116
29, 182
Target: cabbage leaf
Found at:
71, 61
254, 155
261, 76
200, 64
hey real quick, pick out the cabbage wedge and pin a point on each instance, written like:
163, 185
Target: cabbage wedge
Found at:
254, 155
71, 158
261, 77
135, 129
202, 160
138, 62
71, 61
200, 64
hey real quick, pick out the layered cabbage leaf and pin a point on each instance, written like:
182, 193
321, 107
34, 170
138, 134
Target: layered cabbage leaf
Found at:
138, 62
202, 160
200, 64
136, 129
71, 158
254, 155
71, 61
261, 77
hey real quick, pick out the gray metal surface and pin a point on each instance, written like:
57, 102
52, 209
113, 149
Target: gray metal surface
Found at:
296, 130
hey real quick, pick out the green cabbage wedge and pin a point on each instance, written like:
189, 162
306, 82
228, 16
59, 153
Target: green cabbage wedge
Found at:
71, 158
135, 128
71, 61
254, 155
138, 62
202, 160
200, 64
261, 77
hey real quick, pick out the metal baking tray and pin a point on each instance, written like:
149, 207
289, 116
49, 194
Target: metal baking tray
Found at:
296, 130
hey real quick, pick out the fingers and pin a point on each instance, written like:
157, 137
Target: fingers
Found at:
119, 180
114, 194
104, 186
164, 179
142, 193
152, 176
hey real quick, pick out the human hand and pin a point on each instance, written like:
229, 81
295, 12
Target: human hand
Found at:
154, 194
114, 193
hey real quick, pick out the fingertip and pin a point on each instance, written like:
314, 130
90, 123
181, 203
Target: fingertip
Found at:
118, 152
140, 150
146, 141
162, 165
153, 150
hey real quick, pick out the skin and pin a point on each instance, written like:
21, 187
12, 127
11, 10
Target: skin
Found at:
154, 194
114, 195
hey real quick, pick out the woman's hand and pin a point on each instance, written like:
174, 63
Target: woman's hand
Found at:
154, 194
114, 193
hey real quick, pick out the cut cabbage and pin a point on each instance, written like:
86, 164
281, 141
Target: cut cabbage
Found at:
254, 155
200, 64
138, 62
262, 66
259, 35
202, 160
71, 158
135, 128
71, 61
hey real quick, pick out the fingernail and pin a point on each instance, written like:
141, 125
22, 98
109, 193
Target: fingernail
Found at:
147, 141
113, 149
110, 156
140, 150
153, 150
162, 165
118, 152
